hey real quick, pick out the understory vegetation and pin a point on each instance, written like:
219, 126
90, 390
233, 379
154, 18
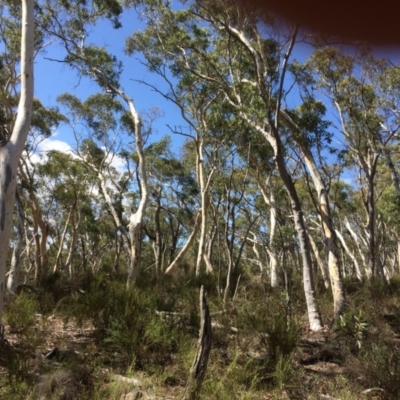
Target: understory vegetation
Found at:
100, 340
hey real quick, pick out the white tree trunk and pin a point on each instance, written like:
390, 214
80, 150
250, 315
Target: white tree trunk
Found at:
187, 245
13, 273
335, 273
322, 265
12, 150
204, 189
136, 219
350, 254
270, 202
356, 238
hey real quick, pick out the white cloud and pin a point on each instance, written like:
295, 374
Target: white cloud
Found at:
50, 144
117, 162
58, 145
47, 145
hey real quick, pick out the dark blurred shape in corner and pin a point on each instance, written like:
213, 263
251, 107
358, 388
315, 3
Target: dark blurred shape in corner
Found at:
371, 22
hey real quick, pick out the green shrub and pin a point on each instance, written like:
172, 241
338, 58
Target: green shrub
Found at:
126, 321
381, 369
239, 380
351, 328
20, 314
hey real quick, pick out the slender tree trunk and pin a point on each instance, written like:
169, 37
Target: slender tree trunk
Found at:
136, 219
13, 273
11, 151
335, 273
40, 226
273, 260
320, 262
351, 255
187, 245
358, 245
229, 231
158, 242
62, 239
73, 241
269, 200
271, 134
371, 227
199, 366
204, 189
314, 316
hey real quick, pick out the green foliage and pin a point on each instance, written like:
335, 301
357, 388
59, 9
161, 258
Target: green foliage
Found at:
281, 338
20, 314
126, 320
284, 371
278, 335
353, 328
381, 369
238, 381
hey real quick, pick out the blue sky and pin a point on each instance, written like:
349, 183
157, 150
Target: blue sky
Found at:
53, 78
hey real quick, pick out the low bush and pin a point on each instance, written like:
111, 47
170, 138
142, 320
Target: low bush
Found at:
20, 314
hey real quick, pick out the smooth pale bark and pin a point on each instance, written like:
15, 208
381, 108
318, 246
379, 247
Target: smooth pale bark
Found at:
358, 244
158, 242
204, 189
314, 316
258, 260
350, 254
116, 219
273, 260
369, 203
73, 241
62, 240
187, 245
367, 163
13, 273
269, 200
271, 134
229, 231
335, 273
136, 218
320, 262
41, 228
11, 151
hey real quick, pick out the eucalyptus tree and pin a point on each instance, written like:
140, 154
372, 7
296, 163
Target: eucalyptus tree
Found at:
369, 124
222, 47
101, 129
68, 190
174, 196
235, 211
44, 122
12, 142
70, 23
309, 130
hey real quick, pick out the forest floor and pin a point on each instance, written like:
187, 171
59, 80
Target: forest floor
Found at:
62, 356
